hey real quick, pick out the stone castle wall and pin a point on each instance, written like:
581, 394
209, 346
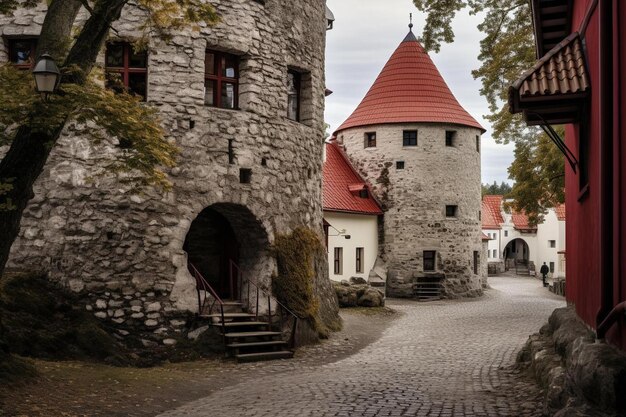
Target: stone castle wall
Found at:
124, 250
414, 200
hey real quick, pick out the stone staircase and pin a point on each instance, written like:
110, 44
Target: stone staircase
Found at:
248, 338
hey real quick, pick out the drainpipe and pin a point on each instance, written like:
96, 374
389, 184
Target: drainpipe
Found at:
606, 159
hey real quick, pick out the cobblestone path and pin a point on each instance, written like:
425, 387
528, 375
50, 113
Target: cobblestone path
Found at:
443, 358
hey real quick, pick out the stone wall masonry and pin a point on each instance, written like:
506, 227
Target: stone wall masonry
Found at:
581, 376
414, 200
123, 250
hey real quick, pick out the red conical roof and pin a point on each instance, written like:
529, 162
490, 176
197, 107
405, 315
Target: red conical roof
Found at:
409, 89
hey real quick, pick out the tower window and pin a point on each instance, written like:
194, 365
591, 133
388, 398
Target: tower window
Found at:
363, 193
245, 175
126, 69
476, 262
450, 137
552, 243
370, 140
429, 260
221, 80
451, 211
478, 143
399, 164
409, 138
294, 83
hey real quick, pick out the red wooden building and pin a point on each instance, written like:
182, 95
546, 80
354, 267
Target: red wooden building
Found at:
577, 81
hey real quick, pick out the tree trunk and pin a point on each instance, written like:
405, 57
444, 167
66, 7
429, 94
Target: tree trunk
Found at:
29, 150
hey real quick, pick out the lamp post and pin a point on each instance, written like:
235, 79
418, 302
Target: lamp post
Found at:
47, 75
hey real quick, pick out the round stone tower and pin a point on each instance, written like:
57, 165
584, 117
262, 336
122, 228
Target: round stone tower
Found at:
420, 151
244, 102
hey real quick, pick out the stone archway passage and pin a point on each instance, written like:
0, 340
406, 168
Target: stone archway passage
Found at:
517, 255
222, 233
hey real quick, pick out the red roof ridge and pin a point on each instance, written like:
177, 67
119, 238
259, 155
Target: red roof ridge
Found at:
409, 89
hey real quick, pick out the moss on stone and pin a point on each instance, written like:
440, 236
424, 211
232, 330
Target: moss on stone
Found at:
294, 286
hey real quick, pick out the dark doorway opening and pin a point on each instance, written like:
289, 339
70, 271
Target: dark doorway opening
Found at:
211, 245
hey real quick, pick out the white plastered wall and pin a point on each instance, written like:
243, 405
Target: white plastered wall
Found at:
363, 232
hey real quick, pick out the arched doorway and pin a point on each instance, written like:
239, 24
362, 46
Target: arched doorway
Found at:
221, 234
516, 255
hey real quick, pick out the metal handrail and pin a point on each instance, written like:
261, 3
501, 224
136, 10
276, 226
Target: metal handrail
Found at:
206, 287
234, 266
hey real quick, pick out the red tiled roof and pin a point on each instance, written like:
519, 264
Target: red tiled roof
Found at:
491, 212
341, 185
409, 89
560, 211
520, 221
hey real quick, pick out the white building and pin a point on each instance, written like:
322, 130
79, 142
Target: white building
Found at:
515, 244
351, 218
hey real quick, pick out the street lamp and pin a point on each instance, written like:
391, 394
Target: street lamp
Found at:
47, 74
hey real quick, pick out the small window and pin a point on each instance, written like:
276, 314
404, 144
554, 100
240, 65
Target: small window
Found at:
450, 137
370, 140
245, 175
359, 260
338, 261
294, 89
429, 260
495, 253
399, 164
22, 52
476, 262
363, 193
480, 215
552, 267
506, 233
409, 138
552, 243
231, 152
126, 69
478, 143
221, 80
451, 211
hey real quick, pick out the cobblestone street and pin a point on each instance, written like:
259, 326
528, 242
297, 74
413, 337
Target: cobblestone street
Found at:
444, 358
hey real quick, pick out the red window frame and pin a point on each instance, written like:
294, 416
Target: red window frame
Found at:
11, 50
219, 62
125, 70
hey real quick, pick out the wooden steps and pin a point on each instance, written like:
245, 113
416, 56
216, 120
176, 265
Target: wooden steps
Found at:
264, 356
247, 338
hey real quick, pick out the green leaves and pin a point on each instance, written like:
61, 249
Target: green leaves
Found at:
539, 174
116, 117
506, 51
166, 16
439, 15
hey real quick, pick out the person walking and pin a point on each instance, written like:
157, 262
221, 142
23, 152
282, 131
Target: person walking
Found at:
544, 272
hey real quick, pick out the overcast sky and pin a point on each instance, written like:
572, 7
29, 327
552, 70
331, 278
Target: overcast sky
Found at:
366, 33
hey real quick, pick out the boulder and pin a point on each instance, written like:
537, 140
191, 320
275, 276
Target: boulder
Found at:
358, 281
371, 298
347, 297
